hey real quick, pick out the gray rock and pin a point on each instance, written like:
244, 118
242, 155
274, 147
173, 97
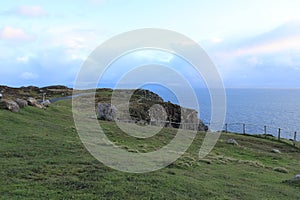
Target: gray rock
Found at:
189, 120
294, 181
9, 105
158, 115
22, 103
106, 111
33, 102
297, 176
276, 151
46, 103
232, 141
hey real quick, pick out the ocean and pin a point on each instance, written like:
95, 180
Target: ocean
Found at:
256, 108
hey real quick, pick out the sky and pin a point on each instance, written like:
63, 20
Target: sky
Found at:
253, 43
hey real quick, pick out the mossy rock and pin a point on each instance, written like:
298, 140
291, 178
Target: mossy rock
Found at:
281, 170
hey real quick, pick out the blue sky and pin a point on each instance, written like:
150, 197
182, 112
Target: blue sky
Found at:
252, 43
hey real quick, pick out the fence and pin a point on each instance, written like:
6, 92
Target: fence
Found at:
241, 128
262, 129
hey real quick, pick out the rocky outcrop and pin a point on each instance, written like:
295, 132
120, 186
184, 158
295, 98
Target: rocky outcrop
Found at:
190, 120
22, 103
31, 95
9, 105
35, 92
106, 111
146, 95
33, 102
146, 107
15, 106
157, 115
173, 115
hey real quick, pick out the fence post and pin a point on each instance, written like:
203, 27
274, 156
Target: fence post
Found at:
265, 131
295, 138
226, 128
244, 129
278, 134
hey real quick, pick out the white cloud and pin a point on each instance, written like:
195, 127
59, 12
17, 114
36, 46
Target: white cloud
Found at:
153, 55
29, 76
22, 59
76, 43
30, 11
215, 40
279, 45
12, 34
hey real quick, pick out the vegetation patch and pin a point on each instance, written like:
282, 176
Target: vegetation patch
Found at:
42, 157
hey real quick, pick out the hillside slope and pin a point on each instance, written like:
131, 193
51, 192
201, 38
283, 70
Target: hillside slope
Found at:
42, 157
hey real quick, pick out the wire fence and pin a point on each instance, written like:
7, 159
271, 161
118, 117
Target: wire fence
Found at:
240, 128
265, 130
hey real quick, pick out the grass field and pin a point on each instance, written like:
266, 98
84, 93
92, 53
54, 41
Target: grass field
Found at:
42, 157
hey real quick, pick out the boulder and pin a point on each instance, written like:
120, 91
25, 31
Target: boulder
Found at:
232, 141
33, 102
22, 103
281, 170
9, 105
276, 151
158, 115
294, 181
46, 103
106, 111
202, 126
189, 119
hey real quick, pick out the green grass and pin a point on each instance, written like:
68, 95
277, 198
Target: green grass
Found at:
42, 157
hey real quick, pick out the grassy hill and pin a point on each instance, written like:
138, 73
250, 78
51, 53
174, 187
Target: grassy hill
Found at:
42, 157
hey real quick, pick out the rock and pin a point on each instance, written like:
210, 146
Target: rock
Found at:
33, 102
146, 107
106, 111
9, 105
281, 170
46, 103
294, 181
22, 103
158, 115
147, 95
232, 141
276, 151
189, 119
202, 126
297, 176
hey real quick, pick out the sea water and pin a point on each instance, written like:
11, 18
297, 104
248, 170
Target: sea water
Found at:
256, 108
